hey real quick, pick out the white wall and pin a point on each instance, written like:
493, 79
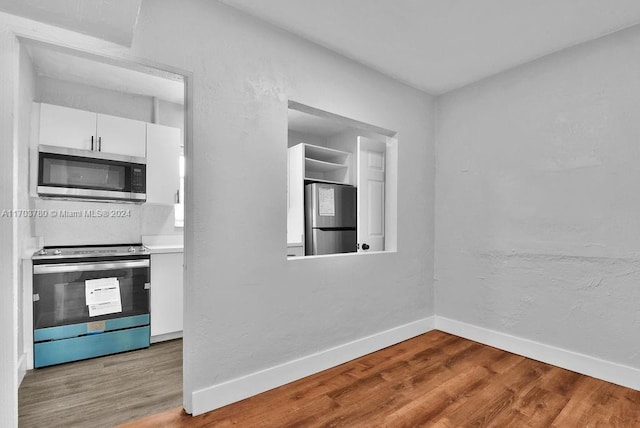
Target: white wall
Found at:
171, 114
248, 307
26, 91
91, 98
538, 201
9, 64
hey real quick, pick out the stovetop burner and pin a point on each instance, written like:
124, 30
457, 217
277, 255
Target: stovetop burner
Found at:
64, 252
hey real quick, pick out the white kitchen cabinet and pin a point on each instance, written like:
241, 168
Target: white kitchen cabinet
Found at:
166, 295
295, 195
67, 127
121, 135
163, 164
295, 250
79, 129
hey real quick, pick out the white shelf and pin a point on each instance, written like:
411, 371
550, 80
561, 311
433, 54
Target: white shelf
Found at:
318, 180
325, 154
322, 166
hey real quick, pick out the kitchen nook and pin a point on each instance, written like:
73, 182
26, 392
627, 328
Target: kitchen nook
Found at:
103, 164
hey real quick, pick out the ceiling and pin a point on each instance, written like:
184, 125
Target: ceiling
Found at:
440, 45
112, 20
65, 66
433, 45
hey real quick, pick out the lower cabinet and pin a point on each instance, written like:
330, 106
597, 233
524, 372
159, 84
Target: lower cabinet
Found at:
166, 296
295, 250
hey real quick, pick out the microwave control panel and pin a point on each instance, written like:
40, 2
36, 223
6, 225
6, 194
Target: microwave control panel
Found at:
138, 178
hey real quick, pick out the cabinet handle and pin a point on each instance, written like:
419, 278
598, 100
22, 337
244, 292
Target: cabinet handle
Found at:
178, 196
99, 144
92, 142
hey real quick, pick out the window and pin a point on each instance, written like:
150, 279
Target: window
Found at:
341, 185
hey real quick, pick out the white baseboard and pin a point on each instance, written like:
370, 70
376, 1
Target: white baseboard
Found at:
219, 395
22, 368
590, 366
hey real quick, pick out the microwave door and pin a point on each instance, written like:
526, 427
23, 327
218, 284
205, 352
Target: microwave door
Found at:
83, 174
70, 173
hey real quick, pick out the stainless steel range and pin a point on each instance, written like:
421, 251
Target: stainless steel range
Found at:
89, 301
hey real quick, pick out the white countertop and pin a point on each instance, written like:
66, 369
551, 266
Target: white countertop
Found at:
160, 244
162, 249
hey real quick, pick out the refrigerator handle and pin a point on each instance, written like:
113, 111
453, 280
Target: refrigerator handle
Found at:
325, 229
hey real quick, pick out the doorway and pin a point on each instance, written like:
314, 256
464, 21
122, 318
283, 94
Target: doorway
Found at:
158, 96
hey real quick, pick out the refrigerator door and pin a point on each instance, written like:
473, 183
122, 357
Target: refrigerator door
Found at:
330, 205
332, 241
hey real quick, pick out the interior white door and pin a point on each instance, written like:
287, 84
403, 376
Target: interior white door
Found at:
371, 194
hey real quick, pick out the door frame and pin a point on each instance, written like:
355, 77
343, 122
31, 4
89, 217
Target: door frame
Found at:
92, 50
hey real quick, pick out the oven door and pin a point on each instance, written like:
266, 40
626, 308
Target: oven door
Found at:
60, 292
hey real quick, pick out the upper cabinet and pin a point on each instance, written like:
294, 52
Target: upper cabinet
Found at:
67, 127
120, 135
79, 129
163, 167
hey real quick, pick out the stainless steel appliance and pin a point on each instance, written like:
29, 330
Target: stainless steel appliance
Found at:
89, 301
90, 175
330, 218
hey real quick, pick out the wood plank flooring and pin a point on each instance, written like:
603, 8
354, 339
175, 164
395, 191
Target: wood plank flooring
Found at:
433, 380
103, 392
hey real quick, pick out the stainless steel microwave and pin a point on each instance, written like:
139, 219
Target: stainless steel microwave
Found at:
83, 174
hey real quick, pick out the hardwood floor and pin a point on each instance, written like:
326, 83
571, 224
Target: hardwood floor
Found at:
103, 392
433, 380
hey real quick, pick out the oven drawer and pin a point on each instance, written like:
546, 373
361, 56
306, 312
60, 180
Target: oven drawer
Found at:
75, 330
94, 345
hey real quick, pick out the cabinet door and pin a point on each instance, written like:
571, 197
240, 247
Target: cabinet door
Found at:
121, 136
166, 293
66, 127
163, 163
295, 195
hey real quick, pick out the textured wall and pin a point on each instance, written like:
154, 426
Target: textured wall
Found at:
537, 200
248, 307
26, 90
83, 97
9, 257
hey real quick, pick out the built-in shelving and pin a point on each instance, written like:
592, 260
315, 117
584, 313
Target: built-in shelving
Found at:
326, 165
310, 163
326, 154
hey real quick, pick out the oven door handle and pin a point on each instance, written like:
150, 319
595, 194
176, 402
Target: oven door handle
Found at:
88, 267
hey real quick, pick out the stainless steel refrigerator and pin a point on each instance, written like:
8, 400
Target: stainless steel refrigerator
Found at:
330, 219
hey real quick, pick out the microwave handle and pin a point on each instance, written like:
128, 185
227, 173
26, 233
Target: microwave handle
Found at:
88, 267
